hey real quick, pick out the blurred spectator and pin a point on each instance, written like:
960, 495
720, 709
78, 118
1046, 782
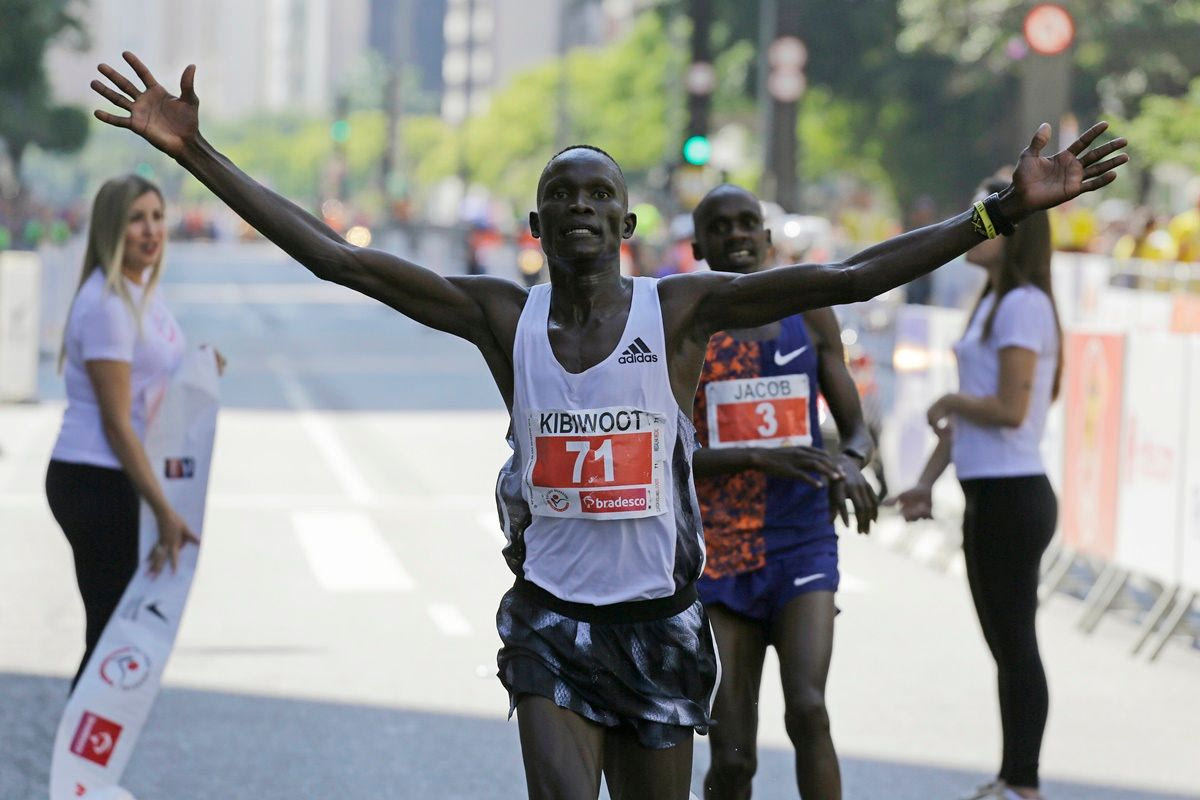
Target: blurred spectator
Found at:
1148, 240
1074, 228
1185, 230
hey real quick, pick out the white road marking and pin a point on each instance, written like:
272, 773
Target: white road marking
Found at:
342, 464
849, 584
488, 521
449, 620
347, 553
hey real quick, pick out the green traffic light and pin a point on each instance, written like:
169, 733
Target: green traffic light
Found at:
339, 131
697, 150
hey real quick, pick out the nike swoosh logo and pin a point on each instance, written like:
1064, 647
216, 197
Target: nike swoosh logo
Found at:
784, 358
809, 579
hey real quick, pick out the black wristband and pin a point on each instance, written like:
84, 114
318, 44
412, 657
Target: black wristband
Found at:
857, 456
1003, 225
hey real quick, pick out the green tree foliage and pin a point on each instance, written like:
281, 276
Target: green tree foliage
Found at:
28, 115
1123, 48
1165, 131
617, 98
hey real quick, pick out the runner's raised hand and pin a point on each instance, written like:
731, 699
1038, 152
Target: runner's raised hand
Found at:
168, 122
1045, 181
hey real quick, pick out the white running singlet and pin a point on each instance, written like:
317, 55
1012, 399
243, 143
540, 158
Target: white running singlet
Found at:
597, 501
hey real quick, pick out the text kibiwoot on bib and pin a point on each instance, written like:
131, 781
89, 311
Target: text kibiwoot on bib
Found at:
603, 463
759, 412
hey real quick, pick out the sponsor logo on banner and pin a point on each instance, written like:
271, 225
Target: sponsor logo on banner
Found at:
637, 353
133, 609
95, 738
558, 500
180, 468
615, 500
125, 668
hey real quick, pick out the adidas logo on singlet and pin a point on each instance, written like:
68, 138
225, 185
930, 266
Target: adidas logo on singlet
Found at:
637, 353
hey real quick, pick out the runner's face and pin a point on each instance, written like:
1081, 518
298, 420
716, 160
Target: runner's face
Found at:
145, 230
730, 235
582, 207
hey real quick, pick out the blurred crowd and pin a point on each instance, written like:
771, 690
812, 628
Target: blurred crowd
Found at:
1156, 248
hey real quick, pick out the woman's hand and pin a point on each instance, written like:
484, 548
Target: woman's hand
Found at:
939, 413
173, 535
916, 503
168, 122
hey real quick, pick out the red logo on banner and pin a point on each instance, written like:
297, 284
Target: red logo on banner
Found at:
125, 668
614, 501
95, 738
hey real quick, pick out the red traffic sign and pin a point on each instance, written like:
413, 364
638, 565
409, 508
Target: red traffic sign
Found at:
1049, 29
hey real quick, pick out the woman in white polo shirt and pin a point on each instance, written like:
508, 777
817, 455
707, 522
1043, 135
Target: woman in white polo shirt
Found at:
120, 343
1009, 367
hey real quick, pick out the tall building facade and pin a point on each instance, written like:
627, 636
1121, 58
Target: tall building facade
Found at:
252, 56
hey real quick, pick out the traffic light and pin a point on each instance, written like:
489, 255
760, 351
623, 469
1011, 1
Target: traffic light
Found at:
339, 131
697, 150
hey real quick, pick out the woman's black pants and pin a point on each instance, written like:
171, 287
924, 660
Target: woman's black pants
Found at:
97, 508
1006, 526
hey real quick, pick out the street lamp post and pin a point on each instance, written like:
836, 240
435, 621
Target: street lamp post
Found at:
785, 57
1049, 32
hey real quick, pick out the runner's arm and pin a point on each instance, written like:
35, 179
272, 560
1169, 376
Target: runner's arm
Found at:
838, 386
917, 502
856, 443
809, 464
1039, 182
447, 304
172, 125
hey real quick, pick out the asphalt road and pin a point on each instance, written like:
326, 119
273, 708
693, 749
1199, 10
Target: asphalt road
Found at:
301, 673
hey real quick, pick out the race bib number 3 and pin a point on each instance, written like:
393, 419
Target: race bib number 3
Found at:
603, 463
759, 412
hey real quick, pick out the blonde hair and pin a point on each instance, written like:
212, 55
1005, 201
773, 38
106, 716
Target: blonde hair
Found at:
106, 244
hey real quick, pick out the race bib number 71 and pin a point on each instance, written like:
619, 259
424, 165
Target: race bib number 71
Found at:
605, 463
759, 412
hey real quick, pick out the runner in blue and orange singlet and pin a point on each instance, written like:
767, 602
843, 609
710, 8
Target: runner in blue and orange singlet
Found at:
767, 489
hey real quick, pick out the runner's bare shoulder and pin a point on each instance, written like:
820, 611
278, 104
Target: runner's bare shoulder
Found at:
502, 300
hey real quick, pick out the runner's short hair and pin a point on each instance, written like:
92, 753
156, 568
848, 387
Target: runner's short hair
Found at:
570, 147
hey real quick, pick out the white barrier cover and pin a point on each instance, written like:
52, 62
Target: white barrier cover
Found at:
925, 370
19, 296
109, 706
1190, 556
1152, 454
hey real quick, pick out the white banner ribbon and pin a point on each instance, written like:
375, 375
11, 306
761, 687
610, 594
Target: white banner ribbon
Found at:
120, 682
